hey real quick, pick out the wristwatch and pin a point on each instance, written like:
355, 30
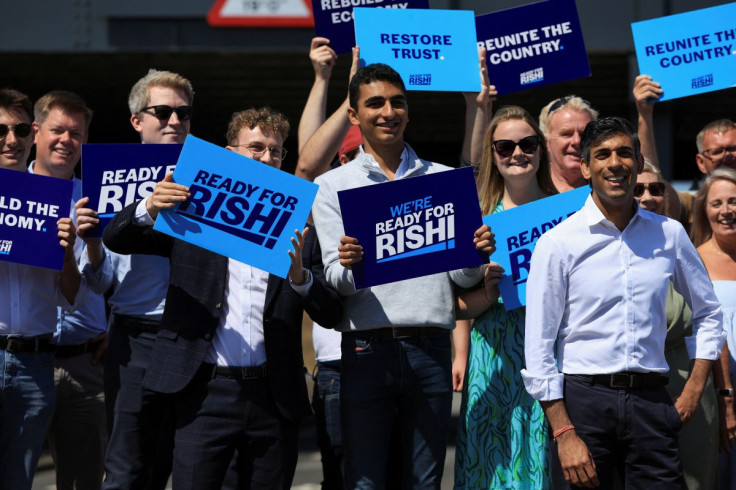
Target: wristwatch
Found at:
725, 391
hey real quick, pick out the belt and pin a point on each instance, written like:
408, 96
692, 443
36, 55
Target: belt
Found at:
136, 324
33, 345
240, 372
626, 380
76, 349
401, 332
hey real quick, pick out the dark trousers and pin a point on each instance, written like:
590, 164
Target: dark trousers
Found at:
409, 379
326, 405
217, 416
140, 450
629, 431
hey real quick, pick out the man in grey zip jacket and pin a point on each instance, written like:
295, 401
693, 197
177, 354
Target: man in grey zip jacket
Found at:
396, 353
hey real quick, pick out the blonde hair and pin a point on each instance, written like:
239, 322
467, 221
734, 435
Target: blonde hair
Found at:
68, 102
140, 94
567, 102
490, 181
719, 126
701, 230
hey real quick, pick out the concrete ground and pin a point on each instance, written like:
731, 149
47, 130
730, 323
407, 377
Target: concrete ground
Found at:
309, 467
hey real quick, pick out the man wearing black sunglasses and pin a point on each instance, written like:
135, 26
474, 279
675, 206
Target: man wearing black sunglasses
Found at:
28, 313
15, 132
140, 451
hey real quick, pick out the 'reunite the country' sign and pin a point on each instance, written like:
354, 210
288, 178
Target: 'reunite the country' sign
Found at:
261, 13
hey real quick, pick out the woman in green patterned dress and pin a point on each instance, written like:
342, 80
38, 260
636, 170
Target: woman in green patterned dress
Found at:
502, 438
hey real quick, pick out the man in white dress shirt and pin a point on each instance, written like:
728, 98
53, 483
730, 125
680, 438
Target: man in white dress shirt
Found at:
595, 325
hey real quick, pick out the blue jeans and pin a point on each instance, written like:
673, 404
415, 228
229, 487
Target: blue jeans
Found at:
326, 405
409, 378
26, 406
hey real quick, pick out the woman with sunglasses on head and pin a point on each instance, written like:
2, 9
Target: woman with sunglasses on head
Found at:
502, 438
714, 235
699, 438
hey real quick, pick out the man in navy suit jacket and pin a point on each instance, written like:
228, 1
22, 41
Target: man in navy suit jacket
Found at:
228, 352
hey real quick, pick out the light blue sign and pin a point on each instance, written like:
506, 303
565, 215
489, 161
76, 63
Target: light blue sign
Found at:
240, 208
517, 231
690, 53
431, 49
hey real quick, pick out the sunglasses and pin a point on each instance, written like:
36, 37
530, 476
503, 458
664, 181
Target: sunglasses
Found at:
163, 112
656, 189
505, 148
562, 101
719, 152
21, 130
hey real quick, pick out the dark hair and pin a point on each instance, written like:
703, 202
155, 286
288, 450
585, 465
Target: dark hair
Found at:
12, 100
597, 131
376, 72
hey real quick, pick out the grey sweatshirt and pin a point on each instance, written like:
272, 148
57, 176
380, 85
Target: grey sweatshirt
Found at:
422, 301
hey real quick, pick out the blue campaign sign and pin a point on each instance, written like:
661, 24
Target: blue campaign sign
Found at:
533, 45
240, 208
333, 19
517, 231
114, 176
690, 53
431, 49
30, 206
413, 227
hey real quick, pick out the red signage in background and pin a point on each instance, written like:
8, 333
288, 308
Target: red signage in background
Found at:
261, 13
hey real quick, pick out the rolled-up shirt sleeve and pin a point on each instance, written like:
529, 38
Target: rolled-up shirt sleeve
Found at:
692, 282
546, 291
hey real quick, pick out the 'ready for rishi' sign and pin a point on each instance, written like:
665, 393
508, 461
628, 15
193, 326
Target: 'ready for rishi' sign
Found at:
30, 206
517, 231
413, 227
115, 175
239, 208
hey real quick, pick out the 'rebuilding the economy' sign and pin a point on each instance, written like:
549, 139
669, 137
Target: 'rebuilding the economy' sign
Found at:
30, 206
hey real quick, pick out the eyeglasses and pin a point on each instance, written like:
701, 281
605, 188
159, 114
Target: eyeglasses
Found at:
506, 148
257, 150
21, 130
719, 152
562, 101
656, 189
163, 112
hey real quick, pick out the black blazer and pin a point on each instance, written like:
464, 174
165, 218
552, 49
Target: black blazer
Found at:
194, 304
